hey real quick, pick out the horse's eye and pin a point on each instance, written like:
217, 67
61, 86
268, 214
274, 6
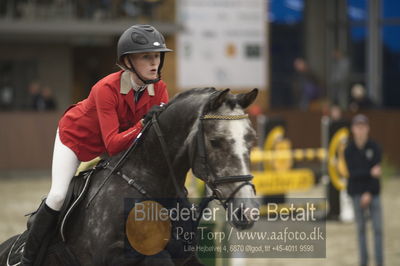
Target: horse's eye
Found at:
215, 143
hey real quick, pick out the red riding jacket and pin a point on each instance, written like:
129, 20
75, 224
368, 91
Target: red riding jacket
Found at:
109, 119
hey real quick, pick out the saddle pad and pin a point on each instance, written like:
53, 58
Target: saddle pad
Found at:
76, 192
76, 189
17, 248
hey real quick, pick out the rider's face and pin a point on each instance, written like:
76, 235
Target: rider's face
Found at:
146, 64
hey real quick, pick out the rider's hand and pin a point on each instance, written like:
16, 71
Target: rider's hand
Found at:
156, 109
376, 171
365, 199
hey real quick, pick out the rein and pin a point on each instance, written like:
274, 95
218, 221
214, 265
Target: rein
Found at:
165, 151
211, 179
106, 164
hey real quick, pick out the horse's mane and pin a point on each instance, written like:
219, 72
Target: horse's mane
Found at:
190, 93
197, 94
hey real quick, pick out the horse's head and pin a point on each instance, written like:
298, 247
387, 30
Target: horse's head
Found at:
220, 153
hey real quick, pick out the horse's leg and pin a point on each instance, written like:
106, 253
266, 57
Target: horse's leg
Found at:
115, 254
193, 261
161, 259
118, 258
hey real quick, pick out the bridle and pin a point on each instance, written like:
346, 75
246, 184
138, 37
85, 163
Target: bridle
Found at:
199, 148
210, 178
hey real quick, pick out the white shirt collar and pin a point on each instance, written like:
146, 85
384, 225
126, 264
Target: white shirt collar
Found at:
127, 84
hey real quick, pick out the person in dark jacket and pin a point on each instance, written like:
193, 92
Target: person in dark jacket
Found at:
363, 158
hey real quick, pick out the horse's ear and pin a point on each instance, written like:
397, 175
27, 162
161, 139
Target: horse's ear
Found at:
245, 99
218, 99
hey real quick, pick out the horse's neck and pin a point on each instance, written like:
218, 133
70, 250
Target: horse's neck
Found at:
149, 159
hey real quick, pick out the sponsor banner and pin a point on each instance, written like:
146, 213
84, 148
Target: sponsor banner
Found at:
223, 43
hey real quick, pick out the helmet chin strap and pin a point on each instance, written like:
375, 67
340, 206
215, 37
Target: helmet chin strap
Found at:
145, 81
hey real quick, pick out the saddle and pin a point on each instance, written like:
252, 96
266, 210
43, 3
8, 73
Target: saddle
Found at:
76, 193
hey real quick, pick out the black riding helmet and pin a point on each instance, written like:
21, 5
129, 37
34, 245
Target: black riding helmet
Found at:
141, 39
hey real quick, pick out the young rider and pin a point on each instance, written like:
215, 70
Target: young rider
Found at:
107, 121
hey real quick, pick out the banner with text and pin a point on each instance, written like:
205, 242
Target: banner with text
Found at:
223, 44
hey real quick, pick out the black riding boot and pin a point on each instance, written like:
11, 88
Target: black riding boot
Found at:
45, 219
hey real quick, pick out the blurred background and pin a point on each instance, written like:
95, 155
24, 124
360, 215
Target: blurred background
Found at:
313, 60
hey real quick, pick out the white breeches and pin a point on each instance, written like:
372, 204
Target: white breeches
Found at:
64, 166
